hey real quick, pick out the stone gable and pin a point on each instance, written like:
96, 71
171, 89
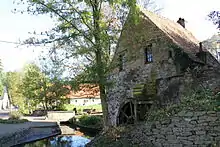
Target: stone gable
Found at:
174, 69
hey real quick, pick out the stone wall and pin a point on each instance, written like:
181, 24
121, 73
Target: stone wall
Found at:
186, 129
60, 115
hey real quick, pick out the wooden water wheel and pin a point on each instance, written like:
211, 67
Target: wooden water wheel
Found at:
126, 115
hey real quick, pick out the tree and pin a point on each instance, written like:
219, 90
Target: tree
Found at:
31, 85
87, 29
13, 81
54, 88
214, 16
1, 78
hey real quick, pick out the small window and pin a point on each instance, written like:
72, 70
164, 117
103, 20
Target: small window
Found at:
121, 62
170, 54
76, 101
148, 54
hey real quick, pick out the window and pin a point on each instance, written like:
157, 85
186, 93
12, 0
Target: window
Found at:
76, 101
121, 62
148, 54
170, 54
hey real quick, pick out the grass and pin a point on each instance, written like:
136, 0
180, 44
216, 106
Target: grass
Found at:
69, 107
13, 121
91, 121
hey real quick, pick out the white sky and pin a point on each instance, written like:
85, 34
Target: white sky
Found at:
16, 26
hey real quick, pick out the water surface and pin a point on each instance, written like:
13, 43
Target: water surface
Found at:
60, 141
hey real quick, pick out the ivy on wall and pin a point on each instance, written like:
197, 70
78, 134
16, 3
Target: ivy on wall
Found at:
181, 59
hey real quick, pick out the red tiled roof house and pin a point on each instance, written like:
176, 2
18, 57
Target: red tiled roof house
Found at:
87, 94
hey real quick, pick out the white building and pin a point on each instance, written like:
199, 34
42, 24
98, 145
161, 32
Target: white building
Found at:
87, 94
4, 100
85, 101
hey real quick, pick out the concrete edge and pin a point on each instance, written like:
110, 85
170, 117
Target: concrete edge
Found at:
31, 134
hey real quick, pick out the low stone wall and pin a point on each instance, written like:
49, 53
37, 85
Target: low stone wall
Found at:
29, 135
60, 115
192, 129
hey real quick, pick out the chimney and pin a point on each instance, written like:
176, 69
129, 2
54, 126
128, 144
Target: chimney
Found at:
181, 21
200, 46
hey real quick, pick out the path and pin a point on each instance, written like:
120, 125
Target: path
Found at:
11, 128
4, 114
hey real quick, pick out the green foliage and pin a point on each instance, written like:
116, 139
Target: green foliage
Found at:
41, 90
14, 115
91, 121
199, 100
217, 103
13, 121
30, 86
13, 81
85, 29
181, 59
214, 16
69, 107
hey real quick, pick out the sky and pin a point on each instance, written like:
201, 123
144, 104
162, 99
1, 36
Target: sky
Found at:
15, 27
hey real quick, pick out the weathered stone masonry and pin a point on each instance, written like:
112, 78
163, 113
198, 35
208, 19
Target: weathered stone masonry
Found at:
186, 129
174, 51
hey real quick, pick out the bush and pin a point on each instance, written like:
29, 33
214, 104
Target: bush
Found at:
91, 121
14, 115
199, 100
12, 121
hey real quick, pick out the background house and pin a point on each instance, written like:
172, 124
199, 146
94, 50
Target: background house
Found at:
4, 100
87, 94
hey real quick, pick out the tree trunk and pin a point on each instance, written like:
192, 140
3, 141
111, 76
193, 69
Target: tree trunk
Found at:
101, 83
99, 63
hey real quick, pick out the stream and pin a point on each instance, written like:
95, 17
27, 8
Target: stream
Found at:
69, 138
60, 141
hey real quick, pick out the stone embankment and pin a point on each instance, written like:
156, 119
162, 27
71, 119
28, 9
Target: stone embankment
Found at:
185, 129
193, 129
27, 132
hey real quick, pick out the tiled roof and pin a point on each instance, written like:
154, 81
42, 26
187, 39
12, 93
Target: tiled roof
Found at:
85, 91
179, 35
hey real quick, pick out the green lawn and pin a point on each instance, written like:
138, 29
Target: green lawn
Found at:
69, 107
13, 121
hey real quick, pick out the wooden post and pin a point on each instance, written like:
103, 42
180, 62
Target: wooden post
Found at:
135, 110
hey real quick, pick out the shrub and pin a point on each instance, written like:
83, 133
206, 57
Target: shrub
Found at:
12, 121
14, 115
218, 101
199, 100
79, 111
91, 121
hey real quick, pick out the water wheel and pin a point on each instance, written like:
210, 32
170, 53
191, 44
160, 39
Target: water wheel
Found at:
126, 115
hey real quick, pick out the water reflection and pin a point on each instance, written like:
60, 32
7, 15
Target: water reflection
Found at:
61, 141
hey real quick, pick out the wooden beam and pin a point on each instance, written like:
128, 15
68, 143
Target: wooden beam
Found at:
135, 111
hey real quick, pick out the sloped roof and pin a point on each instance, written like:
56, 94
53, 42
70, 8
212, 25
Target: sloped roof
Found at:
179, 35
85, 91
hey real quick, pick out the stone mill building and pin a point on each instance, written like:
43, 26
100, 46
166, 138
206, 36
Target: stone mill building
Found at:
157, 61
